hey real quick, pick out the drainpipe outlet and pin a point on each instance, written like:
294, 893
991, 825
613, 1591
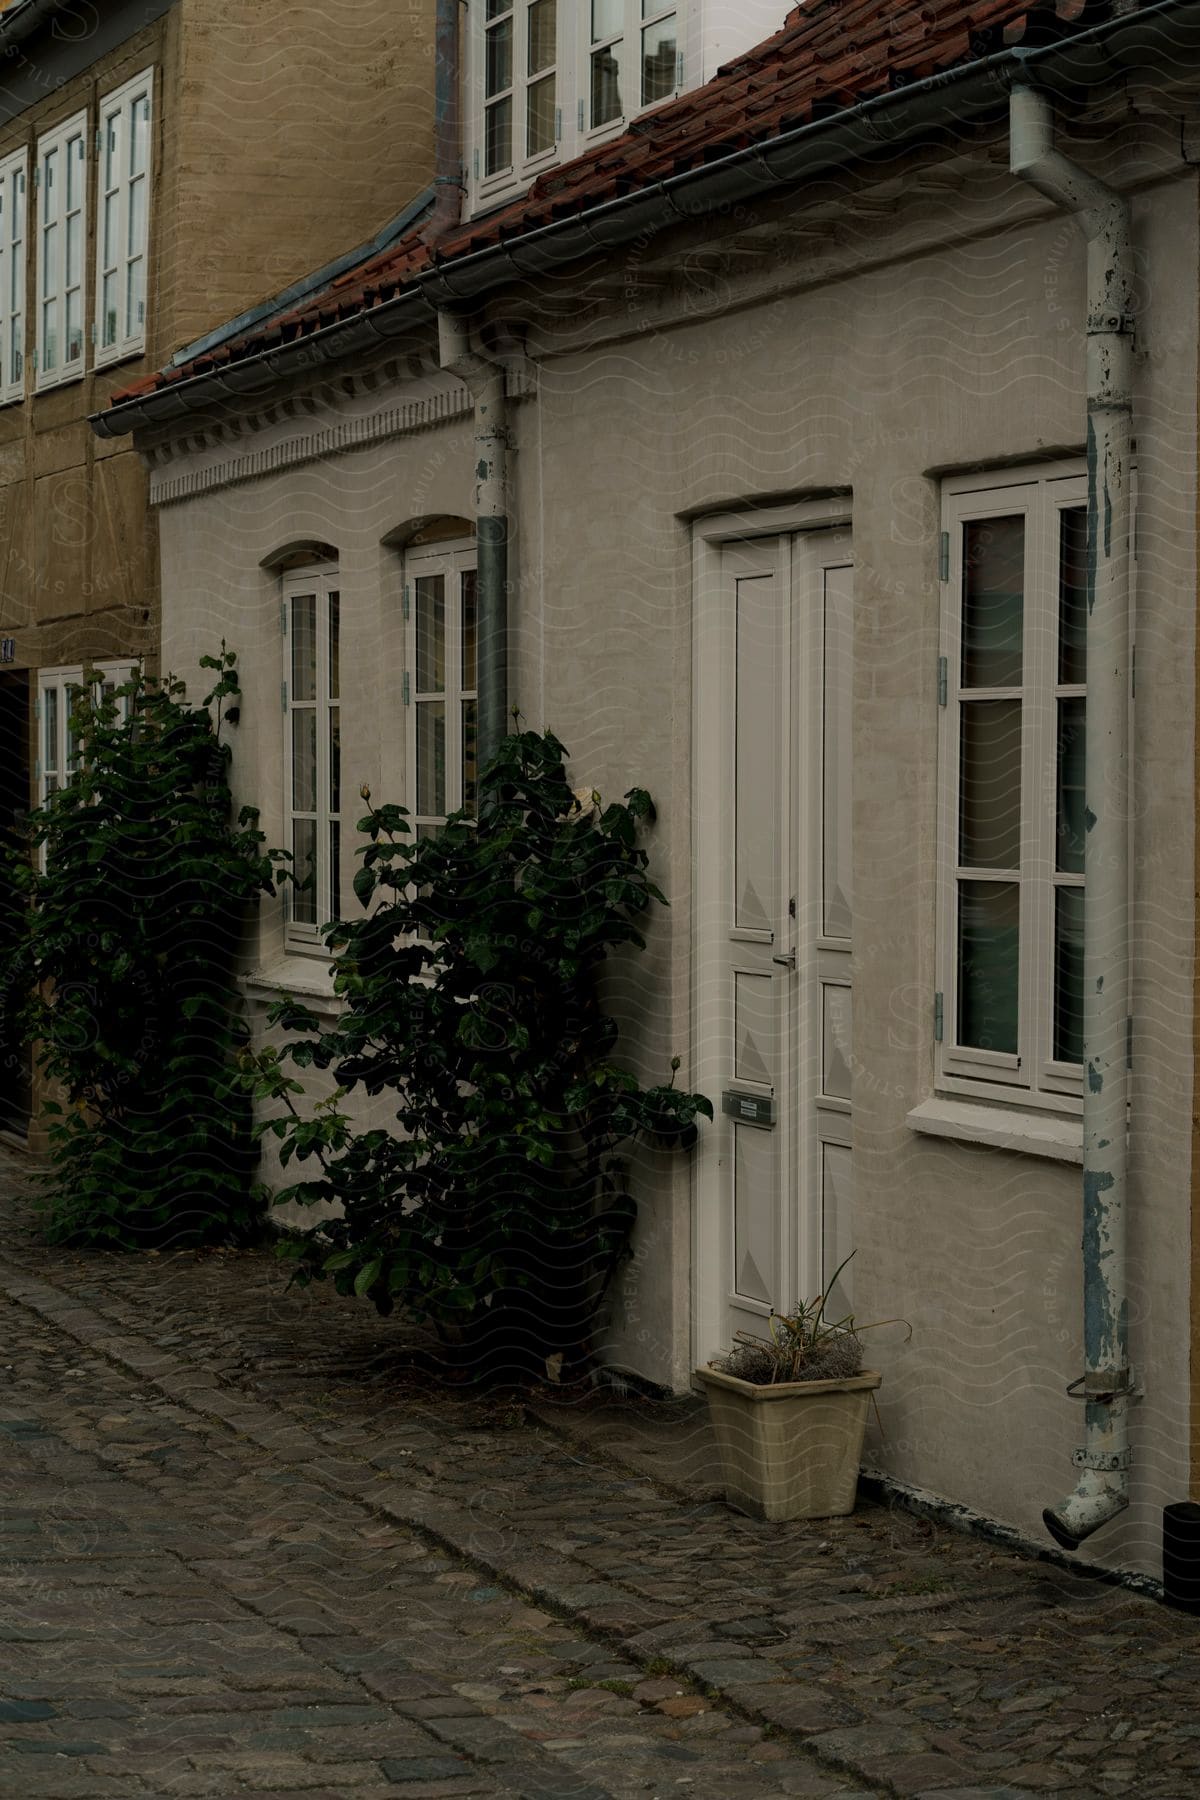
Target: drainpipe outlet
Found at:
1093, 1504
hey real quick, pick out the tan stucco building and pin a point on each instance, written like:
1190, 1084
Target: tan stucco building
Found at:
162, 165
798, 495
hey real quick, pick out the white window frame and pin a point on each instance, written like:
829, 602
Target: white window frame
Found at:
14, 228
1031, 1077
452, 562
56, 760
54, 266
574, 130
323, 583
118, 214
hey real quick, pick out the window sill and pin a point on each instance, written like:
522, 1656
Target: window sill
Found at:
305, 978
1058, 1136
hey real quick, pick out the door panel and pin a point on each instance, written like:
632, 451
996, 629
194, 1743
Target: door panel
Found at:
774, 919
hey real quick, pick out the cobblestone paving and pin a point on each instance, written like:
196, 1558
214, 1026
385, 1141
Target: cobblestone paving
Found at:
246, 1550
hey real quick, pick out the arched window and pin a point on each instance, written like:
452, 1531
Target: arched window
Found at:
312, 773
439, 684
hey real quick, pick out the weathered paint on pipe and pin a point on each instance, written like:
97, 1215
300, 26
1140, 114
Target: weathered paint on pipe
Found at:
486, 381
1103, 217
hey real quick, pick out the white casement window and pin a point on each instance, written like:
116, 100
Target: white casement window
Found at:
440, 599
122, 218
633, 59
58, 747
547, 78
1013, 694
520, 59
60, 178
14, 172
312, 759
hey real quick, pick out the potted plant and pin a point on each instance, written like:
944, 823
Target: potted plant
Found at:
790, 1413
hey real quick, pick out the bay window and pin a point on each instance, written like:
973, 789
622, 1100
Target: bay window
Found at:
1013, 688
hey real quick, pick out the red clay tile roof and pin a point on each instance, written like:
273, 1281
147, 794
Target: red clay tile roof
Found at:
829, 55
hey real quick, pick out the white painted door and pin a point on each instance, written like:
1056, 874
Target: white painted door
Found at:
774, 915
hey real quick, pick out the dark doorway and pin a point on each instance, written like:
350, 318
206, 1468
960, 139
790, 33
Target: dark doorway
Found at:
16, 1096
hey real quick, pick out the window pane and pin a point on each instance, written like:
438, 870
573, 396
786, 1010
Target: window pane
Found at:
50, 729
468, 628
49, 179
74, 248
608, 17
1072, 751
1068, 975
498, 137
74, 174
1072, 596
606, 85
989, 835
109, 232
112, 132
431, 634
49, 260
135, 299
73, 349
658, 61
993, 601
304, 759
469, 753
136, 235
499, 58
335, 633
335, 760
542, 36
304, 647
988, 945
304, 870
109, 310
50, 335
431, 758
496, 7
539, 116
140, 125
335, 868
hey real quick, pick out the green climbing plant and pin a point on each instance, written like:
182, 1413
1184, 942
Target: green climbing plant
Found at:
131, 894
498, 1204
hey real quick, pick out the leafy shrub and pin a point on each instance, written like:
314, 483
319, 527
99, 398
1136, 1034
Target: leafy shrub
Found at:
500, 1208
131, 912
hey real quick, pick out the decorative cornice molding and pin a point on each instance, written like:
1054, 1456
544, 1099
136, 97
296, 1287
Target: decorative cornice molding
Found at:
402, 420
331, 440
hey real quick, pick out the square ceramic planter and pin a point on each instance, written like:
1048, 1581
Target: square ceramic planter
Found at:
790, 1451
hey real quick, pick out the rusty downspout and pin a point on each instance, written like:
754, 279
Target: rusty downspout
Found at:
1102, 1490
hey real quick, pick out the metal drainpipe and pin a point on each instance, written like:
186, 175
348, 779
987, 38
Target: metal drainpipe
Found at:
1103, 217
447, 129
485, 379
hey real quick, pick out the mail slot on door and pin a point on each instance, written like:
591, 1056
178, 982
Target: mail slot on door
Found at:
749, 1109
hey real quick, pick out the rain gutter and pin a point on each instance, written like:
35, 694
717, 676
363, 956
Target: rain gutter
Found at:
885, 122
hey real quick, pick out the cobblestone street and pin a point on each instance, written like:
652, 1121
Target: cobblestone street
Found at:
246, 1550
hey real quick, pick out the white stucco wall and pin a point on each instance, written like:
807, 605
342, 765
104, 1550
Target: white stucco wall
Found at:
938, 332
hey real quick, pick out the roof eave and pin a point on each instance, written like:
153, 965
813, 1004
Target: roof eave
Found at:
885, 122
